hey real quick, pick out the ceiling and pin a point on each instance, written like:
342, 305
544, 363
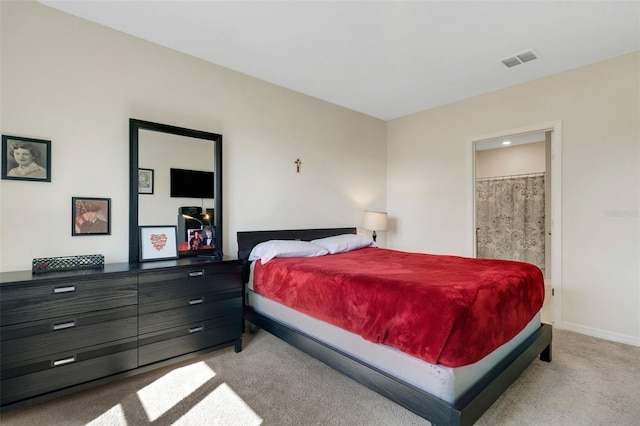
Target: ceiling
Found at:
386, 59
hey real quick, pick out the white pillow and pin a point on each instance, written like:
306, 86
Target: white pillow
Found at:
285, 248
343, 243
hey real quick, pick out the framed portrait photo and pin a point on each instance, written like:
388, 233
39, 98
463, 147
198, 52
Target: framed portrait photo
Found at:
26, 159
158, 243
145, 181
90, 216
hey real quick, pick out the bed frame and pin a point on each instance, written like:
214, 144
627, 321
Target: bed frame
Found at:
466, 410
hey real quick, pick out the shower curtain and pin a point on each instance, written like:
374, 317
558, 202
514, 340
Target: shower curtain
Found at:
510, 218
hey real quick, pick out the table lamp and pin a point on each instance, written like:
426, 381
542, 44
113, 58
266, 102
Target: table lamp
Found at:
374, 221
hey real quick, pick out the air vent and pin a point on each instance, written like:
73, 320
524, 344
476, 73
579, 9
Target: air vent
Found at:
520, 58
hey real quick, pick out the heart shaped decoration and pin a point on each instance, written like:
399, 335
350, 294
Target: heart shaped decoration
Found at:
158, 241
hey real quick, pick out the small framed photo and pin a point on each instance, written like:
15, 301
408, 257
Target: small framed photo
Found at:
90, 216
194, 236
26, 159
158, 243
145, 181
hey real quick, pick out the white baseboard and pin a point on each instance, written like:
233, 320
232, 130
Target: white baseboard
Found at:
602, 334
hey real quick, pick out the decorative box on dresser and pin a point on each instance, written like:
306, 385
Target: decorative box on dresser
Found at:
61, 332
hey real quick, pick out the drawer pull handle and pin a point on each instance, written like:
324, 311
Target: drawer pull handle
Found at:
196, 301
196, 329
64, 325
64, 361
196, 273
66, 289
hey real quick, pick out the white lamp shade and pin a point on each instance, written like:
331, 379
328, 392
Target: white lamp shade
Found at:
374, 221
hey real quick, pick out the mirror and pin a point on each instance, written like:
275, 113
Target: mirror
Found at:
169, 154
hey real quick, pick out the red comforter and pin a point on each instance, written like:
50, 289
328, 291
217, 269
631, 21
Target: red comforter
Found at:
442, 309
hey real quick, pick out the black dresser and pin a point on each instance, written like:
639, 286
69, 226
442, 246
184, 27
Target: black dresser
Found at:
61, 332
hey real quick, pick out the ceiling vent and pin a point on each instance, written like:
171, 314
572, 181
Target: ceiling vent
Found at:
520, 58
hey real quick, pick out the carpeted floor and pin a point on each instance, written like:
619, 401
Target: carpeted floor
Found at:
589, 382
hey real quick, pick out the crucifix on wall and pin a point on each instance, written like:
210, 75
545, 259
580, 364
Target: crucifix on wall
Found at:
298, 163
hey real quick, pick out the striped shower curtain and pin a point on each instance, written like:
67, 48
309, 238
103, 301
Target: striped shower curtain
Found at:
510, 218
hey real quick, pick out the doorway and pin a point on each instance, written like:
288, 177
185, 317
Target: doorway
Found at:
510, 198
516, 200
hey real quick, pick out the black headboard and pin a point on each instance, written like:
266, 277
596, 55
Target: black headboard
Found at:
247, 240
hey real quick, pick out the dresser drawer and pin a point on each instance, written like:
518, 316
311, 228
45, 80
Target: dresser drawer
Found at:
24, 341
66, 369
178, 341
33, 302
193, 273
178, 289
210, 309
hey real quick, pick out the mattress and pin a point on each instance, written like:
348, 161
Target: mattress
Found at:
447, 310
443, 382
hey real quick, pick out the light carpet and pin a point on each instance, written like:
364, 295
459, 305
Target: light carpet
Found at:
589, 382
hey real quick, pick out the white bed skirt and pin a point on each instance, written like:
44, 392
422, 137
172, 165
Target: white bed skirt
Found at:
443, 382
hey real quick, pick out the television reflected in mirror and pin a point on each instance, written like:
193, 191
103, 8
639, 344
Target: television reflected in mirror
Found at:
191, 183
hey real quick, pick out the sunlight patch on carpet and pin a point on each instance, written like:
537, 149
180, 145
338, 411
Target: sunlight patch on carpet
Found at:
113, 416
161, 395
221, 407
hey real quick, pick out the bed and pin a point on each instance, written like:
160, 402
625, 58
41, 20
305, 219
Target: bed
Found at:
454, 394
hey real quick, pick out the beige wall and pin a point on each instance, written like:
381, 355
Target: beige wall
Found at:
514, 160
430, 177
77, 84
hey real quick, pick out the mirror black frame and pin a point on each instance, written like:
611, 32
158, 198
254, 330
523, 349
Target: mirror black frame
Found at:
134, 127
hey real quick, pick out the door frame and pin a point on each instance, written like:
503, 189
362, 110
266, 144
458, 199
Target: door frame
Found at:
555, 127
